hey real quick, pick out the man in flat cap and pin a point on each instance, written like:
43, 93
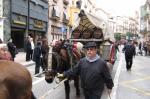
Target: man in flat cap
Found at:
93, 73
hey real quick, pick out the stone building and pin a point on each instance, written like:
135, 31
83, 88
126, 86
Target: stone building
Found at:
58, 19
145, 20
5, 20
23, 18
28, 17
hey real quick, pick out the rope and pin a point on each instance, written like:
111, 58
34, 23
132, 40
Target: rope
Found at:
51, 90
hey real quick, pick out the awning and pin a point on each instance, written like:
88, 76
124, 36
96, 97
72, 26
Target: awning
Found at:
88, 26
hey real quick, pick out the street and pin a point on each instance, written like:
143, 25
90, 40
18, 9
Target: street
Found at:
128, 84
58, 31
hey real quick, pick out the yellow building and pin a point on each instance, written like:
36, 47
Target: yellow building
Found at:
73, 12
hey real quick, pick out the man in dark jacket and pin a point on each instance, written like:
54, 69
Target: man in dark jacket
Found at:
93, 72
12, 49
129, 50
37, 53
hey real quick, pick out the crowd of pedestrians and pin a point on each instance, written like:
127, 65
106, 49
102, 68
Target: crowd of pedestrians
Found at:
38, 53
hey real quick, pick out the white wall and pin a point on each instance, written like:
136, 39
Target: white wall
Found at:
1, 29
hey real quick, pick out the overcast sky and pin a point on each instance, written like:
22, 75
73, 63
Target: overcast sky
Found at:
120, 7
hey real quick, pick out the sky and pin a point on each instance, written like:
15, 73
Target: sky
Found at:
120, 7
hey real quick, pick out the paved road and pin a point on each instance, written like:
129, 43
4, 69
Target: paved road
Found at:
42, 88
128, 84
135, 83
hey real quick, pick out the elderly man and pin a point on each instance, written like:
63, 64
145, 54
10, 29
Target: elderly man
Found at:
93, 73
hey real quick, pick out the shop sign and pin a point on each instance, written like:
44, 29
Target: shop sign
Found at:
38, 24
19, 20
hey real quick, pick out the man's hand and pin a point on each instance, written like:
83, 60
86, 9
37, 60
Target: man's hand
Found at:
59, 75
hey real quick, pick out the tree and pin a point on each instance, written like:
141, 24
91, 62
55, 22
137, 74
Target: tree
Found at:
117, 36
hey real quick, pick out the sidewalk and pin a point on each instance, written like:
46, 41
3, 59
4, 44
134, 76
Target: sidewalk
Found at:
21, 58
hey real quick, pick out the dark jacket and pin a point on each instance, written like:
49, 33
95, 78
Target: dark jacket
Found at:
37, 53
28, 46
129, 50
12, 49
93, 75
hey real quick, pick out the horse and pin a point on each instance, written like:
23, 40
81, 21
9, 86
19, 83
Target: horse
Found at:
64, 56
15, 79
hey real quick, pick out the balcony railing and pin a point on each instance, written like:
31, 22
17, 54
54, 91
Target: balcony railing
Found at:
55, 13
65, 18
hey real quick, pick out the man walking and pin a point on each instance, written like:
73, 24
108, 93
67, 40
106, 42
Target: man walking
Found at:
129, 50
93, 72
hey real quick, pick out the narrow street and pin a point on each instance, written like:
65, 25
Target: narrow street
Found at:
128, 84
135, 83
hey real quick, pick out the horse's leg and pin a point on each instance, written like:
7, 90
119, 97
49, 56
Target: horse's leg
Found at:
67, 89
76, 84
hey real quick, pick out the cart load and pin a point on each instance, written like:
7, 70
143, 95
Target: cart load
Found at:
90, 28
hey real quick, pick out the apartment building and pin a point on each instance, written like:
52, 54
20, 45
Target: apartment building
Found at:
23, 18
58, 19
145, 20
1, 21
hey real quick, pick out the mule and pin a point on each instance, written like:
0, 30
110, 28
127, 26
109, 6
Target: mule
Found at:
63, 58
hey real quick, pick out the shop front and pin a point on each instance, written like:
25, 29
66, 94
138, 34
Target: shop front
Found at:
18, 30
37, 29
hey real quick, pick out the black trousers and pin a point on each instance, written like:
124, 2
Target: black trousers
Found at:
67, 87
91, 95
129, 61
37, 65
27, 55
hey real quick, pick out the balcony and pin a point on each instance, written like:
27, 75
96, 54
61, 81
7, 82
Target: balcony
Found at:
66, 2
55, 1
78, 4
65, 17
55, 13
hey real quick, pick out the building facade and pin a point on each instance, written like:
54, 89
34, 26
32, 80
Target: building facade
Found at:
145, 20
5, 20
58, 19
28, 17
1, 21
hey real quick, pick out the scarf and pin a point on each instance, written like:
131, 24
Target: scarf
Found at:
93, 59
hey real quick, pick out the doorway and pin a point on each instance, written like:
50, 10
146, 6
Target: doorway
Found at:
18, 38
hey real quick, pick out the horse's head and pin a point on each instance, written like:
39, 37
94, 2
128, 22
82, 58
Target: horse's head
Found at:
78, 50
16, 82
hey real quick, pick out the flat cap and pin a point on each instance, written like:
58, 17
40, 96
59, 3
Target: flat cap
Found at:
90, 44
